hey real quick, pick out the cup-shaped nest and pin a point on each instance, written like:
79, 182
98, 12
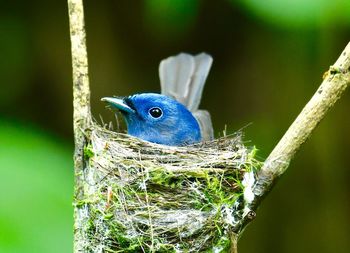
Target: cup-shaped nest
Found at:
138, 196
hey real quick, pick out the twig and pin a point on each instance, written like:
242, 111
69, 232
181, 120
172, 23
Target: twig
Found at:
234, 239
336, 80
81, 101
81, 90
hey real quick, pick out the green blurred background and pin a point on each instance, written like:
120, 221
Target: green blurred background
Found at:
269, 57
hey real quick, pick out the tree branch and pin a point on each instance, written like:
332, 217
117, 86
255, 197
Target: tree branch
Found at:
81, 100
336, 80
81, 90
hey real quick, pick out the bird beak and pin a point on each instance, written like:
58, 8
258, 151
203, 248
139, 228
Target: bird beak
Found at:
119, 104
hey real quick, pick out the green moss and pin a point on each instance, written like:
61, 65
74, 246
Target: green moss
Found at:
88, 152
157, 200
82, 202
223, 244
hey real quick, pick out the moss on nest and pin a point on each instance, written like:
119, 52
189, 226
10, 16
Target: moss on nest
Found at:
144, 197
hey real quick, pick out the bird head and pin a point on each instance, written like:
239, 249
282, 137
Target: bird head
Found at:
157, 118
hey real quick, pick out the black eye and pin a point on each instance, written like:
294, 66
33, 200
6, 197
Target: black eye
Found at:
155, 112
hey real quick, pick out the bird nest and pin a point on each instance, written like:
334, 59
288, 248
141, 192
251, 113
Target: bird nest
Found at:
143, 197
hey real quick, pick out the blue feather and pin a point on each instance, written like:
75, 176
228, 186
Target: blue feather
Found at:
172, 118
158, 118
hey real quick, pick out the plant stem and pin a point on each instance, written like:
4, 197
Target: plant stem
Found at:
335, 82
81, 100
81, 89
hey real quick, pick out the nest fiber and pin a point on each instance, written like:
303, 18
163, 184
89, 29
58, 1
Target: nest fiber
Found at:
144, 197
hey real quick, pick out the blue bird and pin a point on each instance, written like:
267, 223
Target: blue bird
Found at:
171, 118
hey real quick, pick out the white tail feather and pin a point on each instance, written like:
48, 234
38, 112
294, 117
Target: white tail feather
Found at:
183, 77
204, 121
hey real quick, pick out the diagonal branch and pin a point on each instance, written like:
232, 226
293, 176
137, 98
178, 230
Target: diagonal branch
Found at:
336, 80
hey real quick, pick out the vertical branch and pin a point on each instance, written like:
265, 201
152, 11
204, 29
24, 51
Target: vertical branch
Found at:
81, 102
81, 90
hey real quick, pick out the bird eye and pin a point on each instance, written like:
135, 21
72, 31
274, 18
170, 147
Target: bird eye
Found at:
155, 112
